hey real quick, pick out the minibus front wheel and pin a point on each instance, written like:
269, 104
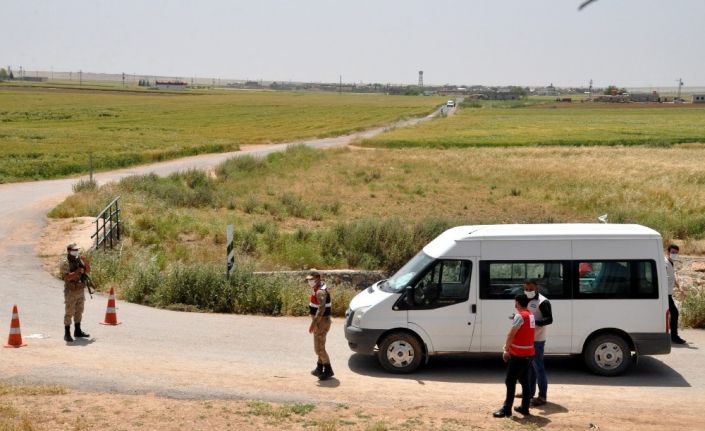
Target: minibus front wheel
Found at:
400, 352
608, 355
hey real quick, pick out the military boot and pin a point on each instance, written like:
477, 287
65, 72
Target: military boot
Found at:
327, 372
318, 370
78, 333
67, 334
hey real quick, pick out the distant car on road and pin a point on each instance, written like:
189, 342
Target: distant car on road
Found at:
450, 104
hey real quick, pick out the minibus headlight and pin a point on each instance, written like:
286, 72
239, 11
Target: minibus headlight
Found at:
357, 316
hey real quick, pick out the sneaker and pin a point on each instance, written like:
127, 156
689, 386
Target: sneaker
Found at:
678, 340
524, 412
502, 413
538, 401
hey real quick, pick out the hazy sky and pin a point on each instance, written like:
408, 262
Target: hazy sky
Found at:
494, 42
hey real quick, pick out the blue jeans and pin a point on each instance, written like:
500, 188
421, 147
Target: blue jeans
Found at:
537, 372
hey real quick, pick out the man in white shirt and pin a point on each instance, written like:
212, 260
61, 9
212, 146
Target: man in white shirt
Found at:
672, 256
540, 307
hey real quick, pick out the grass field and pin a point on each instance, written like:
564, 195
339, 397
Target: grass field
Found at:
46, 133
374, 208
532, 122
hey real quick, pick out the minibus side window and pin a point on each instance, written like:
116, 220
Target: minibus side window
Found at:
446, 282
612, 279
505, 279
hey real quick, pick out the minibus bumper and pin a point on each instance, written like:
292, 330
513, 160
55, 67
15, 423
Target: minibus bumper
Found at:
649, 343
362, 340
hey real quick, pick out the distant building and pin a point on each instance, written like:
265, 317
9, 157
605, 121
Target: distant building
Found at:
171, 85
644, 97
617, 98
698, 98
547, 91
32, 78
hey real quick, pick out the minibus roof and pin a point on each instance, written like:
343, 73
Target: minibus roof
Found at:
447, 239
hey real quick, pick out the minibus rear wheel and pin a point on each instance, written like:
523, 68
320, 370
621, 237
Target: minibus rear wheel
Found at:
400, 352
607, 355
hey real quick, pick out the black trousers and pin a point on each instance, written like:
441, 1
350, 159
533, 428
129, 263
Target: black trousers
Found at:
674, 317
518, 369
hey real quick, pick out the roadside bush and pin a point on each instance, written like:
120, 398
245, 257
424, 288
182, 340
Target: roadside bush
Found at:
83, 185
693, 310
239, 166
192, 188
201, 286
107, 267
374, 244
207, 288
144, 280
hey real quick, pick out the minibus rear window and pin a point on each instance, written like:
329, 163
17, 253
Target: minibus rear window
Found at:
613, 279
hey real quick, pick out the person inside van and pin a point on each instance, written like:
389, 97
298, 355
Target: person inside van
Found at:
518, 354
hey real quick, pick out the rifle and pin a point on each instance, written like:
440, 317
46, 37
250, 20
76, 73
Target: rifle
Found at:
88, 281
85, 278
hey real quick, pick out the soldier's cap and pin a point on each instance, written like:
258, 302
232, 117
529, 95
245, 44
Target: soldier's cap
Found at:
72, 246
313, 274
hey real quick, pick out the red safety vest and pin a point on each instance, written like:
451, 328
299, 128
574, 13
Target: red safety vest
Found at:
523, 341
313, 305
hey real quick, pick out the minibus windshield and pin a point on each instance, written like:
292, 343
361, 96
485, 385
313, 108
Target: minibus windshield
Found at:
401, 278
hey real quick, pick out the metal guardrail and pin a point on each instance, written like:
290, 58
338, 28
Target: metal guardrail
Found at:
107, 226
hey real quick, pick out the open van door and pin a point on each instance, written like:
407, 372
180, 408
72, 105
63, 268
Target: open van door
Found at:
438, 306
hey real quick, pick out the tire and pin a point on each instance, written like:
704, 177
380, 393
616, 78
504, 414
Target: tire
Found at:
400, 353
607, 355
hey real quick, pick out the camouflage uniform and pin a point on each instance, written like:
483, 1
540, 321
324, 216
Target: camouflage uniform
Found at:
320, 311
74, 294
322, 326
71, 268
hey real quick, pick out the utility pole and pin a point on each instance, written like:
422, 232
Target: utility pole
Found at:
340, 85
123, 79
590, 91
680, 84
80, 78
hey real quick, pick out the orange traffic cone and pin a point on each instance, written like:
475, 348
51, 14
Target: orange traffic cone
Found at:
110, 314
15, 338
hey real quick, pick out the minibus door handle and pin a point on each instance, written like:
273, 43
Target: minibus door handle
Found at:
473, 308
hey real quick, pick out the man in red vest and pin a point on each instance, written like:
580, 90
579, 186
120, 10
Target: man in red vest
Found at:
518, 353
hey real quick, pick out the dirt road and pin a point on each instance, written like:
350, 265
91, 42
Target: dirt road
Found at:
210, 356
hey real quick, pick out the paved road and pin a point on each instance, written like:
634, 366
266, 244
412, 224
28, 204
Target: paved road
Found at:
194, 355
179, 354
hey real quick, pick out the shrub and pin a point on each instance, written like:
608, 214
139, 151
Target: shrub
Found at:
693, 310
250, 204
145, 279
83, 185
239, 167
374, 244
294, 205
192, 188
189, 287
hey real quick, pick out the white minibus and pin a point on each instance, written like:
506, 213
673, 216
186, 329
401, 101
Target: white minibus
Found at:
606, 284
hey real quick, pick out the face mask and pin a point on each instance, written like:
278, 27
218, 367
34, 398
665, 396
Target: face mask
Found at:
674, 257
74, 253
312, 283
530, 294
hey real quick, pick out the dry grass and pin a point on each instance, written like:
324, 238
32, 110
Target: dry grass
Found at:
79, 411
282, 207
